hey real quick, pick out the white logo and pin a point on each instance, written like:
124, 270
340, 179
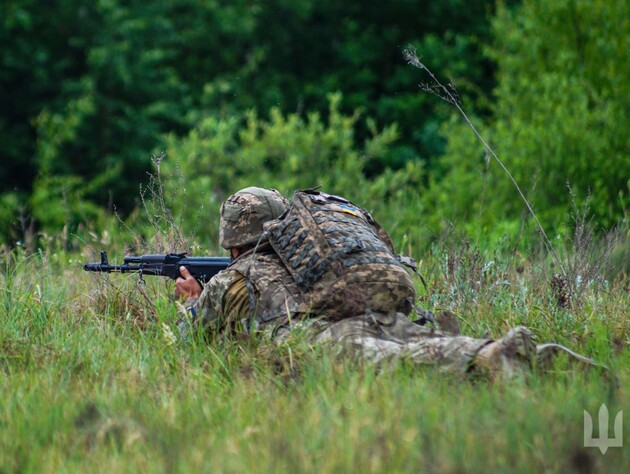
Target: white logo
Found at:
603, 442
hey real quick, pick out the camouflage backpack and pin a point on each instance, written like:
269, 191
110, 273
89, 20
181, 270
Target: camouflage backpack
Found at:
341, 259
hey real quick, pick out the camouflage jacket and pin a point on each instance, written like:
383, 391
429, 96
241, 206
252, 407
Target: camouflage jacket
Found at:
255, 291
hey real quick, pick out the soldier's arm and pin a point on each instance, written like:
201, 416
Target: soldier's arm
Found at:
224, 300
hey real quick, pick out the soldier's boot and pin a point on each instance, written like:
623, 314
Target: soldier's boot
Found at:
545, 353
511, 356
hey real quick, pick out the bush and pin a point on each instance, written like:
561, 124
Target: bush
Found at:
288, 152
560, 119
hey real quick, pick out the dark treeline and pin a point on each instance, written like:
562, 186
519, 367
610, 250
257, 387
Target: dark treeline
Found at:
91, 90
91, 87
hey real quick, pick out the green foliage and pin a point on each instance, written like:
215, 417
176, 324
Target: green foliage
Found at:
111, 70
92, 382
90, 91
287, 152
10, 208
122, 74
560, 120
310, 48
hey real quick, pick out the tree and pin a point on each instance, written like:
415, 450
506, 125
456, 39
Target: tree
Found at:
561, 119
90, 89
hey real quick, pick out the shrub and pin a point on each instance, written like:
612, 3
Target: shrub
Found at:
289, 152
560, 118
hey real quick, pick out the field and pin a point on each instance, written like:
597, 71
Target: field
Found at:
490, 141
94, 378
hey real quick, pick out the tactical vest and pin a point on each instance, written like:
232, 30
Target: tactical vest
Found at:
340, 259
272, 291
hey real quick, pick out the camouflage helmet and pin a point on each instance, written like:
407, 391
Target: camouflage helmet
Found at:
245, 212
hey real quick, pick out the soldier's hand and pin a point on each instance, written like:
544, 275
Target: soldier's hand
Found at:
186, 285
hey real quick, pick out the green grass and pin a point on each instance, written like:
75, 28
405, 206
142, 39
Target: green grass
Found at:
90, 382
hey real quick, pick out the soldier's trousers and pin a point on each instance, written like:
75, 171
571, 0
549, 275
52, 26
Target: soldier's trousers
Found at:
383, 337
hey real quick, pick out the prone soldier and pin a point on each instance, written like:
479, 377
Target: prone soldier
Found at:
357, 296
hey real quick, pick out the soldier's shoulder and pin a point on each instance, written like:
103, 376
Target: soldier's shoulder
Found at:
220, 283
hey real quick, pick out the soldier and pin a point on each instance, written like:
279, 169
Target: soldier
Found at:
258, 292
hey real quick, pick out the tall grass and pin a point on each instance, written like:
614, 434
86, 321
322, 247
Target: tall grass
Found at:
89, 384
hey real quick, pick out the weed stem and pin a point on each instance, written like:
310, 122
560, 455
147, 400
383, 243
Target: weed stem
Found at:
449, 94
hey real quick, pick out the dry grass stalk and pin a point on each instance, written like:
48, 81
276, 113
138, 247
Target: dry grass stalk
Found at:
449, 94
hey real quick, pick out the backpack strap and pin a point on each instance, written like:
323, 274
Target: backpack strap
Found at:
413, 266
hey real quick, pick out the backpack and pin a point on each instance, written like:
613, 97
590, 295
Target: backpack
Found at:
341, 259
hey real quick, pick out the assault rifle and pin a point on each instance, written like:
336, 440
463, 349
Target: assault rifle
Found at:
202, 268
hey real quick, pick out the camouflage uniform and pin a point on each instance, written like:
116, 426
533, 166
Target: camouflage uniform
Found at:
341, 259
257, 292
256, 288
379, 337
225, 303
